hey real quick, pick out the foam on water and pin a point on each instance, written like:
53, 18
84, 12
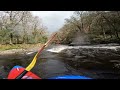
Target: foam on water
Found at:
106, 47
57, 49
29, 53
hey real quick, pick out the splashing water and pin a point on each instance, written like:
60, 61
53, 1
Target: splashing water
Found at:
57, 49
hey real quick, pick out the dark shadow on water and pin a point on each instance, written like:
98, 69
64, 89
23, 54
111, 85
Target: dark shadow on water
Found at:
7, 62
96, 71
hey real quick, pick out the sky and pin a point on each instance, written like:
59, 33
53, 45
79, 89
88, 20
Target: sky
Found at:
53, 20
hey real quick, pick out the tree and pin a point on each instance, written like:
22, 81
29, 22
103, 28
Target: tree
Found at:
98, 26
18, 26
14, 18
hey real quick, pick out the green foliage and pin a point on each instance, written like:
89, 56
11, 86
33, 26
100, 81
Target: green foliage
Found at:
18, 27
43, 39
99, 26
4, 35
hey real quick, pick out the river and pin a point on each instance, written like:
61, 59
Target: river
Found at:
51, 64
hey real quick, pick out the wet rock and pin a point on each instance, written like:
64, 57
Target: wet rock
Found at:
99, 52
117, 65
97, 56
115, 61
67, 53
80, 57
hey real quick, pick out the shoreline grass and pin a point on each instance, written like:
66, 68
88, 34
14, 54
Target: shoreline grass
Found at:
19, 46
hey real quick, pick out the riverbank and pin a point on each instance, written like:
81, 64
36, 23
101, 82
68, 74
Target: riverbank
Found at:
19, 49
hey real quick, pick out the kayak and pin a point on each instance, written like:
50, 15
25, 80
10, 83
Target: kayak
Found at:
16, 70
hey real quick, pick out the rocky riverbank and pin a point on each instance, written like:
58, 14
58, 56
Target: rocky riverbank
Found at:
18, 53
93, 56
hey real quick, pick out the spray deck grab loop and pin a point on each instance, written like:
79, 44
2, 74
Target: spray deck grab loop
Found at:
31, 65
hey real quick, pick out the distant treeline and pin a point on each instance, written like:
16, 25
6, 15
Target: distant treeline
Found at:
17, 27
98, 26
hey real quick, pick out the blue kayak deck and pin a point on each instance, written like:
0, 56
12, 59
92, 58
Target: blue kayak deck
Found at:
70, 77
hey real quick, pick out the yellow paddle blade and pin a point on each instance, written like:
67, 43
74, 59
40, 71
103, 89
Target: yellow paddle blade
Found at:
32, 63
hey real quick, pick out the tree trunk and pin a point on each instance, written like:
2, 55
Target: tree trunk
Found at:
117, 36
11, 38
2, 41
27, 41
104, 35
24, 39
17, 39
36, 39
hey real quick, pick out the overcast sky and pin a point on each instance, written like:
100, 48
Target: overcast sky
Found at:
53, 19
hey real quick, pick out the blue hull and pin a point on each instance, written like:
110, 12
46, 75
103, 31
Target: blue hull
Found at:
70, 77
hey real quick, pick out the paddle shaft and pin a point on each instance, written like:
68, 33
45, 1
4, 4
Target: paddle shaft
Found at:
21, 75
